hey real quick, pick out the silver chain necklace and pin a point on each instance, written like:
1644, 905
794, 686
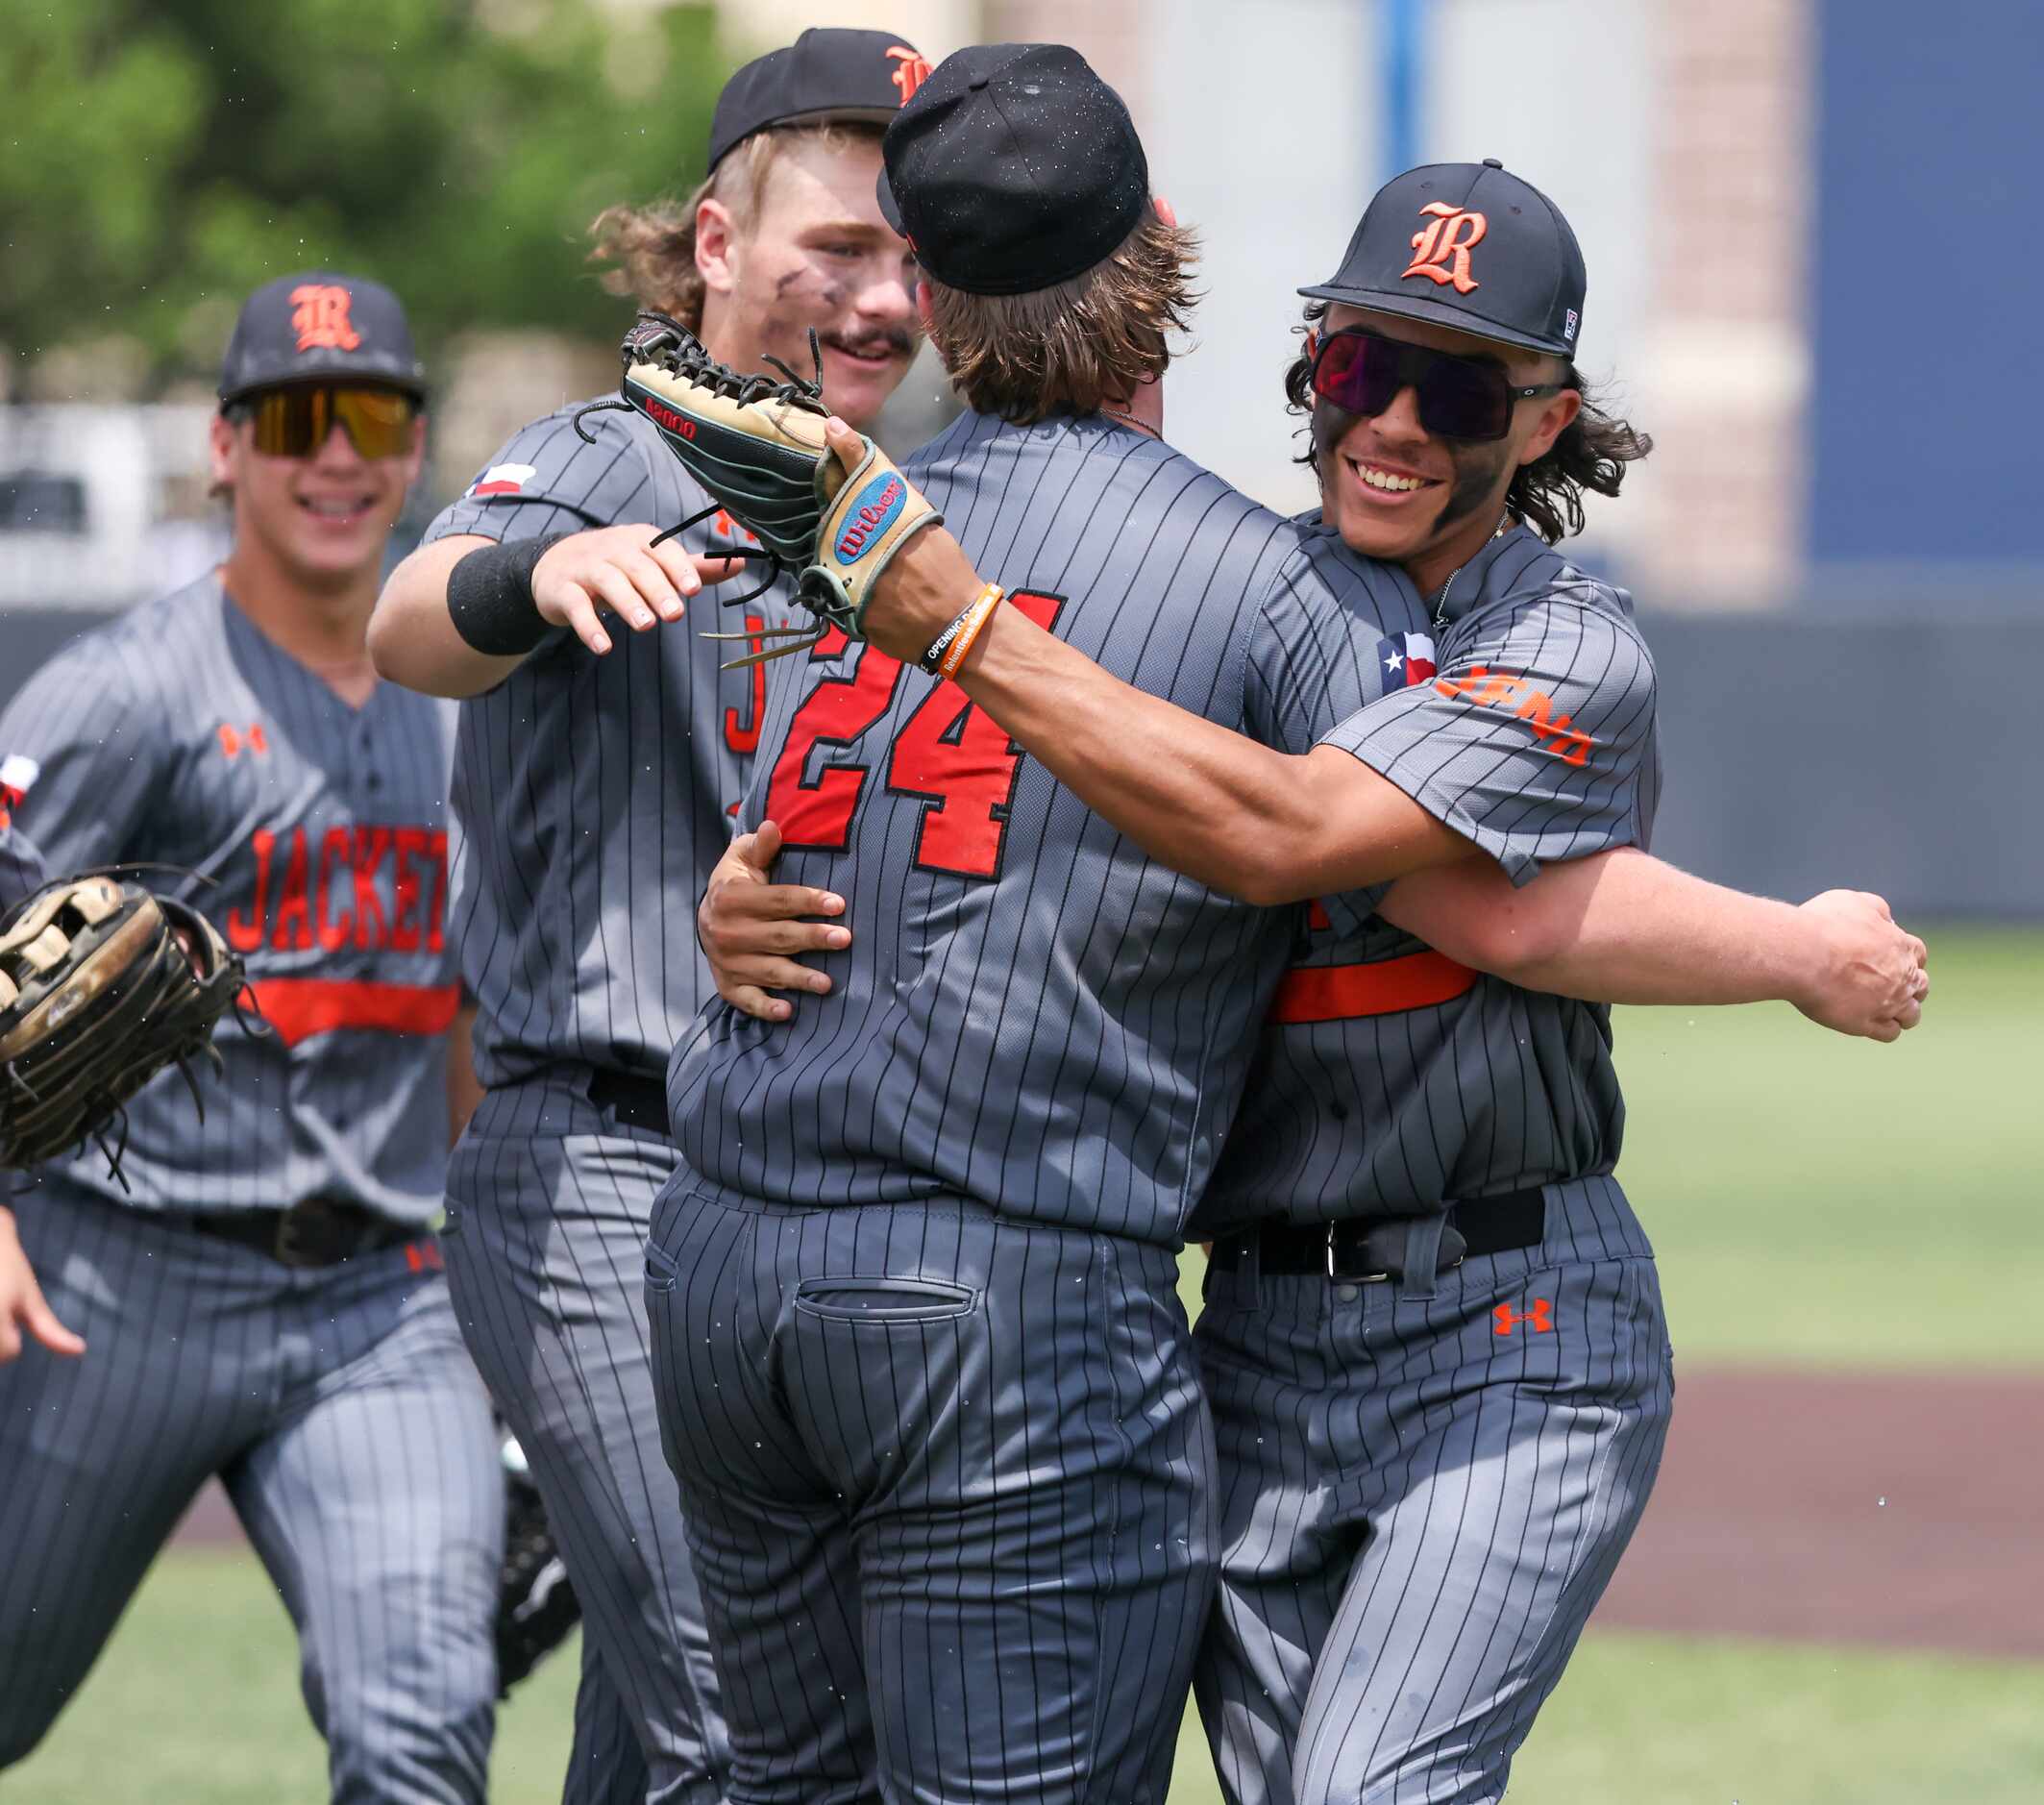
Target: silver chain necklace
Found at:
1440, 601
1123, 414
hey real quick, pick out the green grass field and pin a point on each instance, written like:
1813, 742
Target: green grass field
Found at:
196, 1703
1814, 1201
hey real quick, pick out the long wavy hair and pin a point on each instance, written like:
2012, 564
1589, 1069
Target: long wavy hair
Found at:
650, 252
1067, 349
1592, 452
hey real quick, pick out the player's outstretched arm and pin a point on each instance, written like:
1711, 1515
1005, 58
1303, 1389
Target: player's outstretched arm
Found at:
1623, 926
1262, 824
22, 1306
437, 604
752, 929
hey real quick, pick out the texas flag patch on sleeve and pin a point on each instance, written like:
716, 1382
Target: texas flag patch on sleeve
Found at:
1403, 660
17, 772
499, 480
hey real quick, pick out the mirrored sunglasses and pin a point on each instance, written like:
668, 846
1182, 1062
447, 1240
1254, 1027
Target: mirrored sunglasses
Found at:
296, 422
1468, 398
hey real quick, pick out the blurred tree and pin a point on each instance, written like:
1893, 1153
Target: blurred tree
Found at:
160, 157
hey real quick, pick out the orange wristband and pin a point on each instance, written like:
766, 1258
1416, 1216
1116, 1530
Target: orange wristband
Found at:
977, 617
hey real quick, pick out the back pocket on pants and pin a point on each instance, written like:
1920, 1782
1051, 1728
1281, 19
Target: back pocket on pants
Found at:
887, 1298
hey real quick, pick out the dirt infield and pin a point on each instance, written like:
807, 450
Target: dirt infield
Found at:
1891, 1510
1901, 1511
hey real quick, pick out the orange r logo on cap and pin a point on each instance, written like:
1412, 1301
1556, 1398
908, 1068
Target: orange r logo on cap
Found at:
1449, 235
319, 316
911, 70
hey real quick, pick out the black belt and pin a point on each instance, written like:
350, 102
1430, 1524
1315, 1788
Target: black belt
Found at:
1368, 1250
319, 1232
635, 1101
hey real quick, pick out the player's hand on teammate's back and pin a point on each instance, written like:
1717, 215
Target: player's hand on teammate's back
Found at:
618, 570
926, 583
21, 1302
1873, 981
751, 929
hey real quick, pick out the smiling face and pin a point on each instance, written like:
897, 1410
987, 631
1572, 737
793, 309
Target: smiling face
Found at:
322, 521
1396, 492
815, 252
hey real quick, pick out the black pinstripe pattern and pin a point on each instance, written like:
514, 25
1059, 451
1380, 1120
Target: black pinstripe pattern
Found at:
589, 787
947, 1479
1419, 1513
127, 725
548, 1204
1481, 758
606, 1765
1011, 1037
1048, 1042
592, 796
1501, 1088
356, 1445
338, 1404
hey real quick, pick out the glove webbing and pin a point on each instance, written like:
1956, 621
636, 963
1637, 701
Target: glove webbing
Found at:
662, 340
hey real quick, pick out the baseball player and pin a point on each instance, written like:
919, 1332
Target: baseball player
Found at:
594, 783
260, 1291
923, 1372
1434, 1345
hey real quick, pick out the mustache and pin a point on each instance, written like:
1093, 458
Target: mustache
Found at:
900, 342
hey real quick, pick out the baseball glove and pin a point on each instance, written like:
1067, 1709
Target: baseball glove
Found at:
98, 994
536, 1606
757, 446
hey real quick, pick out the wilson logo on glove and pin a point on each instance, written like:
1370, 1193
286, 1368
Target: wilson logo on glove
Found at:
874, 512
765, 462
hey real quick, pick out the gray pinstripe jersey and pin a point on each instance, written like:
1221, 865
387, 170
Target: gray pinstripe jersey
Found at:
180, 734
595, 794
21, 868
1001, 1029
1391, 1081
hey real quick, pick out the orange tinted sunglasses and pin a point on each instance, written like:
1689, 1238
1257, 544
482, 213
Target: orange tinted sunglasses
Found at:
296, 422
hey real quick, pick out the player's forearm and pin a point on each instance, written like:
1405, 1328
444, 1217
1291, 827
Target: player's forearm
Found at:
1619, 928
413, 638
1200, 799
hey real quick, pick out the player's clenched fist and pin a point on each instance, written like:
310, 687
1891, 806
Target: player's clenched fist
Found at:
1871, 978
618, 570
751, 929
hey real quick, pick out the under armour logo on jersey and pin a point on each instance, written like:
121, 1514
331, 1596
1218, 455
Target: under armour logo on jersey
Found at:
911, 70
1440, 248
255, 739
1541, 1316
319, 316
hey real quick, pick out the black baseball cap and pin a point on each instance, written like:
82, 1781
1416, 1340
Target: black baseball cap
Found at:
826, 73
319, 326
1013, 168
1471, 246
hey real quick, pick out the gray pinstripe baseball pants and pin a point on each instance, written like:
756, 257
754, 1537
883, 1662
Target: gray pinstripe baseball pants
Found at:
1421, 1501
948, 1484
548, 1204
340, 1407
